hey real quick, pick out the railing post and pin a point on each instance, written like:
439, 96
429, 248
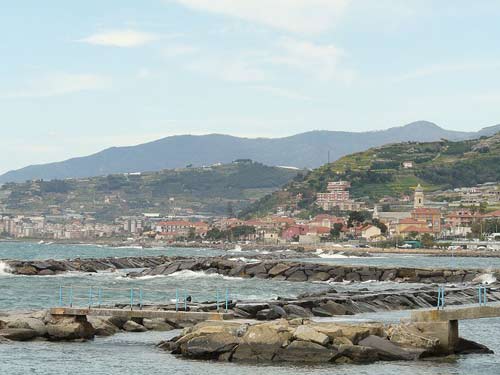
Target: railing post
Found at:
185, 300
217, 300
71, 296
140, 298
227, 299
60, 295
176, 300
90, 297
441, 300
99, 297
131, 298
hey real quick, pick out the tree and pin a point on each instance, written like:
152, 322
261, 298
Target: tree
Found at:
357, 217
380, 225
191, 234
427, 240
335, 231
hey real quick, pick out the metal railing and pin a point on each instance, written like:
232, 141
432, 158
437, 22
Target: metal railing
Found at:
98, 297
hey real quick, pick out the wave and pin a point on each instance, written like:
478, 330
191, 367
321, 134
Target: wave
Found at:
5, 270
485, 278
237, 249
336, 256
190, 275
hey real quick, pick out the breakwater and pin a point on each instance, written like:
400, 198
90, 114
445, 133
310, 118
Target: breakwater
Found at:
277, 269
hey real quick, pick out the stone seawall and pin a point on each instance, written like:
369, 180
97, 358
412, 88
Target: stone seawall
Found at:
276, 269
297, 271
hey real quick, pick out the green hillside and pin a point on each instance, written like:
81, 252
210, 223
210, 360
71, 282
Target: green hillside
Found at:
212, 190
379, 171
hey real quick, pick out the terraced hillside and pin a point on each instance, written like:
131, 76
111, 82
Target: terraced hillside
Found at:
209, 190
379, 171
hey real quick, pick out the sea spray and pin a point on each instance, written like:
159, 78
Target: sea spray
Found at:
5, 269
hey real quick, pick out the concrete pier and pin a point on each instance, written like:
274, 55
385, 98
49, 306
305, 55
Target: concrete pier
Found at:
443, 324
173, 316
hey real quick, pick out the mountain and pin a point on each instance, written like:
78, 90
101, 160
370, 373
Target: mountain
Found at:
210, 190
379, 172
305, 150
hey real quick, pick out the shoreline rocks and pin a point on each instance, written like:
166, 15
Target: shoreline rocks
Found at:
303, 341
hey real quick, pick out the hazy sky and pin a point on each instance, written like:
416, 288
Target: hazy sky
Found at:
79, 76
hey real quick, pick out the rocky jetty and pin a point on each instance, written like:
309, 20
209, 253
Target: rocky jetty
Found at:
42, 325
296, 271
301, 340
332, 302
276, 269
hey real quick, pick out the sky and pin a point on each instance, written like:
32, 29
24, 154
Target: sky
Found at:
80, 76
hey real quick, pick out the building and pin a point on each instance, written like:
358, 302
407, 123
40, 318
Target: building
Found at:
337, 196
407, 164
418, 200
430, 216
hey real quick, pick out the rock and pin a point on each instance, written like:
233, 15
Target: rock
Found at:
262, 341
305, 351
388, 351
469, 347
102, 326
27, 271
306, 333
341, 340
256, 270
210, 346
356, 354
274, 312
318, 311
18, 334
294, 311
278, 269
26, 322
46, 272
409, 335
69, 328
131, 326
157, 324
319, 276
252, 308
334, 308
297, 276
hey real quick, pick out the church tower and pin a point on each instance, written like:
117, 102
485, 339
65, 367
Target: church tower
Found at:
419, 197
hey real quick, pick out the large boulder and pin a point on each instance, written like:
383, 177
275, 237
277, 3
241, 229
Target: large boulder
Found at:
274, 312
307, 333
356, 354
334, 308
18, 334
408, 335
262, 341
102, 326
131, 326
295, 311
156, 324
210, 346
305, 351
25, 322
62, 328
388, 351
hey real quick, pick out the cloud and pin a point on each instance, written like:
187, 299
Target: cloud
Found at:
300, 16
285, 93
446, 68
56, 84
232, 69
120, 38
179, 50
320, 61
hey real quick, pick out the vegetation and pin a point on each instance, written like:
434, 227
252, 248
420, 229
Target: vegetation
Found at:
379, 172
214, 190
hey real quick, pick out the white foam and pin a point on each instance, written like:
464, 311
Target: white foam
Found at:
5, 270
485, 278
237, 249
190, 275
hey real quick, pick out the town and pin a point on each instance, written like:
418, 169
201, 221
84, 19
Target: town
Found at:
458, 218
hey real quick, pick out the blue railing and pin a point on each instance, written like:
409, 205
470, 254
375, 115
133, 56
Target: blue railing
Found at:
97, 297
483, 297
441, 299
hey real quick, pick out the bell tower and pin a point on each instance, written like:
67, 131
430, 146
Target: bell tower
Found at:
419, 197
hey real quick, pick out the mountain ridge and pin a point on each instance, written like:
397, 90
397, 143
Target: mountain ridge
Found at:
303, 150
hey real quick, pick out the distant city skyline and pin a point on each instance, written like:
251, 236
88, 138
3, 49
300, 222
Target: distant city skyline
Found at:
78, 77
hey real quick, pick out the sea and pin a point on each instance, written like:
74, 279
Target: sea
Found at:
135, 353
